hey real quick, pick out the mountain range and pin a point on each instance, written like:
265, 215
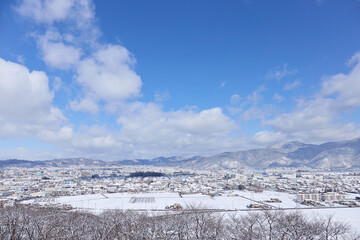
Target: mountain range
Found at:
330, 155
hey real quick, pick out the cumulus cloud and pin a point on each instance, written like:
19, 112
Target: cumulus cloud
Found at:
149, 117
56, 53
105, 72
85, 105
319, 119
26, 103
207, 122
147, 126
67, 40
69, 26
345, 87
80, 12
267, 137
24, 95
148, 131
108, 74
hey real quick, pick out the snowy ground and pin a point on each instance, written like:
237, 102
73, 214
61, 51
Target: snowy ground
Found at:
235, 200
125, 201
231, 201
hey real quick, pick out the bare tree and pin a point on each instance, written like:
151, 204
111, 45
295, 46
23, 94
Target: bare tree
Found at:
29, 222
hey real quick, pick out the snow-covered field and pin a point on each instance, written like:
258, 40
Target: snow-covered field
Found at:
230, 201
234, 200
161, 200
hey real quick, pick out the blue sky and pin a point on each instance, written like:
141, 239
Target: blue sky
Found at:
139, 79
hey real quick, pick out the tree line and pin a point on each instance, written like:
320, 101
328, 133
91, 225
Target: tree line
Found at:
29, 222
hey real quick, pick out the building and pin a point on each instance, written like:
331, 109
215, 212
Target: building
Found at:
309, 196
332, 196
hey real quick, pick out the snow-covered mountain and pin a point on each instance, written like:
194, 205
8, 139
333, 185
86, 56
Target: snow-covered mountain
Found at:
344, 154
330, 155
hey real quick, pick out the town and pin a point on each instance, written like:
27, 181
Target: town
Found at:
310, 187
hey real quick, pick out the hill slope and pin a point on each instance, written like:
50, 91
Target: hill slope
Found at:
331, 155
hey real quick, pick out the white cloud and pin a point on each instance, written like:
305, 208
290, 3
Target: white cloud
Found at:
68, 40
26, 103
62, 45
147, 131
345, 87
104, 72
49, 11
280, 72
207, 122
292, 85
151, 131
63, 134
24, 95
354, 59
85, 105
45, 11
266, 138
315, 122
109, 75
141, 117
96, 139
319, 119
56, 53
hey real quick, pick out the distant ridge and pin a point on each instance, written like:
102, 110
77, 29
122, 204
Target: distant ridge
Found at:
330, 155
